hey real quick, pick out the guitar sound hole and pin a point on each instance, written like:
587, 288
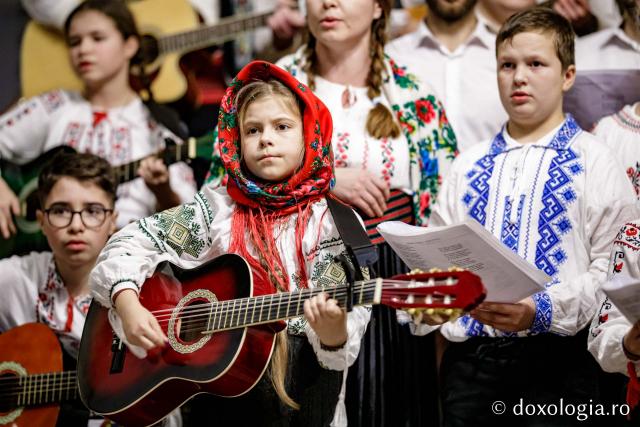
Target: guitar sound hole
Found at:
193, 321
8, 399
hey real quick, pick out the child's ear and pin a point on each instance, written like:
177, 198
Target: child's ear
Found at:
40, 219
569, 78
112, 222
131, 46
377, 12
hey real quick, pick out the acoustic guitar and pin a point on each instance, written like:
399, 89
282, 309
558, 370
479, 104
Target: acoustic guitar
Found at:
169, 27
23, 181
221, 323
32, 381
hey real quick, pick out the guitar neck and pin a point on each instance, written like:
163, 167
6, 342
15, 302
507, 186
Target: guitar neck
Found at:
37, 389
171, 154
270, 308
205, 36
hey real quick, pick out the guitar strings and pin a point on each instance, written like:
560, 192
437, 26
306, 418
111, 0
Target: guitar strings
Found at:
194, 315
33, 386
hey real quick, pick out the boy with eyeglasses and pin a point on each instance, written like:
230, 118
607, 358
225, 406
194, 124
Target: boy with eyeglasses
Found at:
77, 194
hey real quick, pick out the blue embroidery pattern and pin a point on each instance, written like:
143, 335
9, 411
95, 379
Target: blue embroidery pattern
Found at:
472, 327
477, 195
510, 234
556, 196
544, 312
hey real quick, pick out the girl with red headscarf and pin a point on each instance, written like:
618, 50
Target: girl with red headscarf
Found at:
275, 144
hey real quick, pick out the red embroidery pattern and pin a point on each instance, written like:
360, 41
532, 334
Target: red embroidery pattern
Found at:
388, 161
628, 236
51, 101
342, 146
634, 176
73, 134
18, 115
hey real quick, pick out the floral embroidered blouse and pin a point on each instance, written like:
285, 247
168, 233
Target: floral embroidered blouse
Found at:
609, 326
32, 291
428, 143
120, 135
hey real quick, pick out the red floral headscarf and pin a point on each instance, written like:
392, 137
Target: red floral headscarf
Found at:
261, 204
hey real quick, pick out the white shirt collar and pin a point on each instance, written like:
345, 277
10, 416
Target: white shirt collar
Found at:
617, 35
480, 35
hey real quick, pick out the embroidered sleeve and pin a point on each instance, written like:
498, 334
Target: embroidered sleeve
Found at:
609, 326
609, 200
24, 129
181, 235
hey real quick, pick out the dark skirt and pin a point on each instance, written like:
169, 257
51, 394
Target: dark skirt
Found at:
314, 388
394, 380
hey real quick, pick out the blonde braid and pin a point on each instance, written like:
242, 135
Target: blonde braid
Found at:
380, 121
310, 65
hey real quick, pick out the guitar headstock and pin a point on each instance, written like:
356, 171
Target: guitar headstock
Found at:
445, 292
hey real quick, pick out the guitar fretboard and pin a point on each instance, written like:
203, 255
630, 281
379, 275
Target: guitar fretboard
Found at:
37, 389
226, 30
269, 308
171, 154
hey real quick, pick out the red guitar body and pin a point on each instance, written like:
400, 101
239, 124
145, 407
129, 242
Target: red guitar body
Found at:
145, 390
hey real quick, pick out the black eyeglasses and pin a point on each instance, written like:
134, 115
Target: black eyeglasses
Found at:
92, 216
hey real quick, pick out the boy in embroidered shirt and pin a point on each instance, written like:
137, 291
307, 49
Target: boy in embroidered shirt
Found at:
77, 193
553, 194
275, 142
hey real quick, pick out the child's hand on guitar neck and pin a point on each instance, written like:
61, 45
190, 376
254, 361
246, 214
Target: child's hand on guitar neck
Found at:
9, 204
327, 319
140, 326
156, 176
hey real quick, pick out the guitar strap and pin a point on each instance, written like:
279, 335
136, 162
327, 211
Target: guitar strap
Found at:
168, 118
361, 251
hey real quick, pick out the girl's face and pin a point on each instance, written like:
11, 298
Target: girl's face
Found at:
271, 138
97, 49
338, 21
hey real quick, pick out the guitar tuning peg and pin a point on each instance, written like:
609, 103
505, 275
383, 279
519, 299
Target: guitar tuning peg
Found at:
455, 268
416, 271
435, 270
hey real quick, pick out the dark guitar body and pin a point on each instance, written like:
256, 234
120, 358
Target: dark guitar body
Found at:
146, 390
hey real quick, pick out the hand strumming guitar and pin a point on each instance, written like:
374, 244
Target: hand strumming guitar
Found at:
140, 326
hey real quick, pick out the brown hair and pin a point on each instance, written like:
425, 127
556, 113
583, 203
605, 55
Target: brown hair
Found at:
253, 91
259, 89
544, 20
118, 12
380, 121
83, 167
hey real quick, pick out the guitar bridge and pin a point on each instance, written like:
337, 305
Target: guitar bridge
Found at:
117, 360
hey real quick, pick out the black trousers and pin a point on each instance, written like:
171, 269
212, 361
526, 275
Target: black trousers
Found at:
522, 382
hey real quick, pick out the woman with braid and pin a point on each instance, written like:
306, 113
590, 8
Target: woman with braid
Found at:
392, 145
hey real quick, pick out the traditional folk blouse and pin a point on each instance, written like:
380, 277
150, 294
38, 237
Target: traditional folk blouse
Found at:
120, 135
609, 326
32, 291
621, 133
557, 203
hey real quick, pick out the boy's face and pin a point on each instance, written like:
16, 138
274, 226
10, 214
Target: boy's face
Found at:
77, 244
271, 139
531, 80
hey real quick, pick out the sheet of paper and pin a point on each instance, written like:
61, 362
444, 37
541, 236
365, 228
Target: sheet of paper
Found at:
506, 276
599, 93
624, 292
